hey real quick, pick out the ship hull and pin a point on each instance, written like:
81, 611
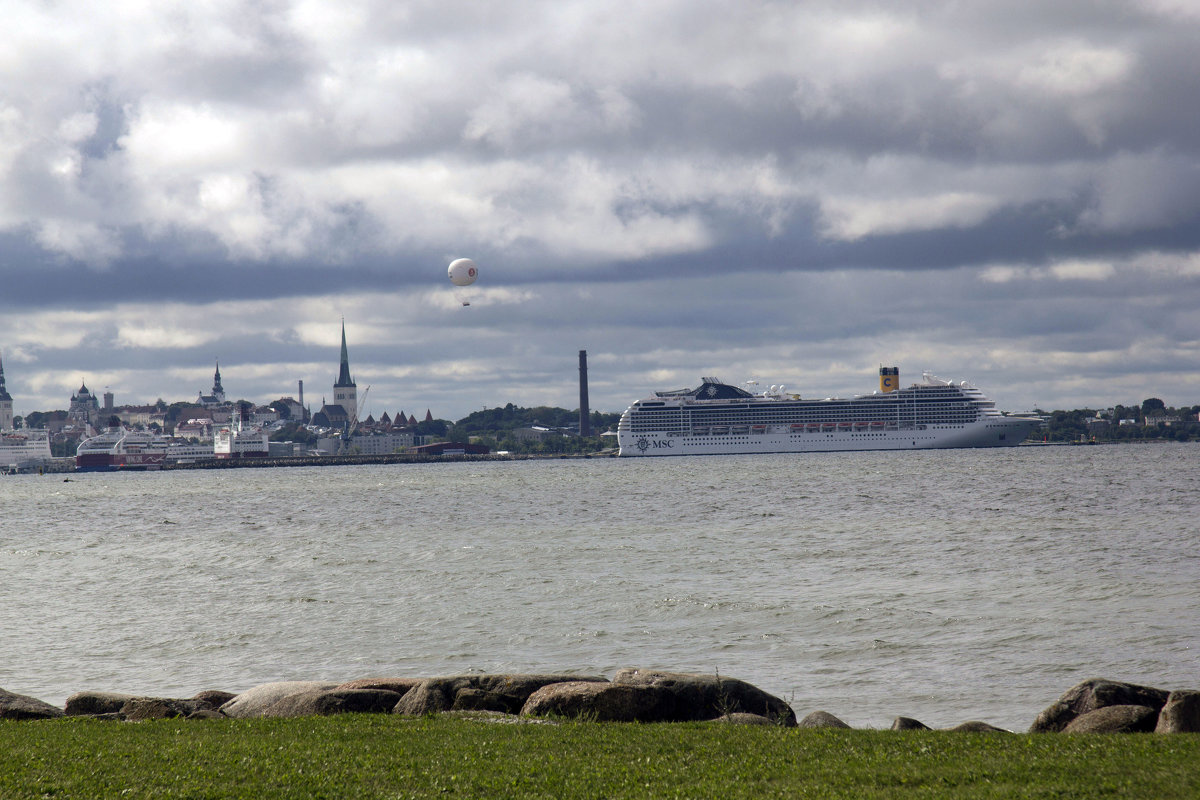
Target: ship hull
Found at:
1004, 432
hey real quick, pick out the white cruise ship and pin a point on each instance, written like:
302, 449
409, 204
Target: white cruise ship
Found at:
718, 418
24, 449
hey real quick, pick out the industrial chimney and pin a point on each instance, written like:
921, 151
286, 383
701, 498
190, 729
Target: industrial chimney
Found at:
585, 426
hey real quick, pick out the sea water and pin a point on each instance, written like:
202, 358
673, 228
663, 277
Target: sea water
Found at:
942, 585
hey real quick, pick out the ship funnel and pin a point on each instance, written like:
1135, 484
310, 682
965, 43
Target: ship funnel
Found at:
889, 379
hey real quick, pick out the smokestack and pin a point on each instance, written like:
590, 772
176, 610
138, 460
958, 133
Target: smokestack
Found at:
302, 409
585, 426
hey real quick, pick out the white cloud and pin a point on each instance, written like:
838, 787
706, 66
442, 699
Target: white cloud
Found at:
1076, 270
134, 335
1074, 68
81, 240
174, 139
1140, 266
590, 154
851, 218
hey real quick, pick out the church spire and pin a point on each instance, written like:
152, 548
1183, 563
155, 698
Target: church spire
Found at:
344, 373
4, 395
218, 390
6, 404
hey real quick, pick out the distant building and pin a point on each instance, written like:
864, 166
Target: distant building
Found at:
331, 416
535, 433
382, 443
136, 416
1161, 419
295, 411
217, 396
85, 408
345, 392
6, 404
264, 415
195, 428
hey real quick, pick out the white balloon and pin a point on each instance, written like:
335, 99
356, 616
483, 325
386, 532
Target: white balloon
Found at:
462, 272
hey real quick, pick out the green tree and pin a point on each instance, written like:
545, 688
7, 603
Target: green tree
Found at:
281, 405
173, 411
1152, 404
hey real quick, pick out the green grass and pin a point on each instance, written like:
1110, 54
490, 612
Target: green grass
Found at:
384, 756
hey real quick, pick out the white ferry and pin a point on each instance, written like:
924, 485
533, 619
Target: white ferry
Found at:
24, 449
241, 441
120, 449
718, 418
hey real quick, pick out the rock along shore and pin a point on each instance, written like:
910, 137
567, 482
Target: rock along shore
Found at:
1096, 705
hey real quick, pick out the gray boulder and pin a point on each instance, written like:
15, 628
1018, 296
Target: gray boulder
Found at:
699, 696
83, 704
140, 708
478, 700
908, 724
1181, 714
975, 726
601, 702
321, 702
506, 693
253, 702
398, 685
19, 706
1093, 694
213, 698
822, 719
1115, 719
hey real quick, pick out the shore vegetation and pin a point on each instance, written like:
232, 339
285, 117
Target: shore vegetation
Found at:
361, 756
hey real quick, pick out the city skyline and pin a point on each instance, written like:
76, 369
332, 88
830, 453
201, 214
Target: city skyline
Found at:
999, 192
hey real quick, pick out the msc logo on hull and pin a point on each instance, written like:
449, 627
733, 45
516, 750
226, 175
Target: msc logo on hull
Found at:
643, 444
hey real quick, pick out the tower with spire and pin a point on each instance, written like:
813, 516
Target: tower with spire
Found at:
345, 392
217, 398
6, 403
218, 390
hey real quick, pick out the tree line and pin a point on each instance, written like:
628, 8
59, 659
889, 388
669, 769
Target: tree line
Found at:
1122, 423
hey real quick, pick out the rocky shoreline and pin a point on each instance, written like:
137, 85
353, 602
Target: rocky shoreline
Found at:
1096, 705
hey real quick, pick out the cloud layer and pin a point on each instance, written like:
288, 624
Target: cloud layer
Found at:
795, 193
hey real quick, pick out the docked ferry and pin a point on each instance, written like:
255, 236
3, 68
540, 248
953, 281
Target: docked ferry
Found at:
120, 449
24, 449
718, 418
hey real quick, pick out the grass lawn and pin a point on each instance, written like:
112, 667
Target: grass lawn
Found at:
353, 756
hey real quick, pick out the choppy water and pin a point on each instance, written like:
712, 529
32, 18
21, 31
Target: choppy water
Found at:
945, 585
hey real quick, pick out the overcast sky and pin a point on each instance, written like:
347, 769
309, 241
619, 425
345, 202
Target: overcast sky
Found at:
792, 192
